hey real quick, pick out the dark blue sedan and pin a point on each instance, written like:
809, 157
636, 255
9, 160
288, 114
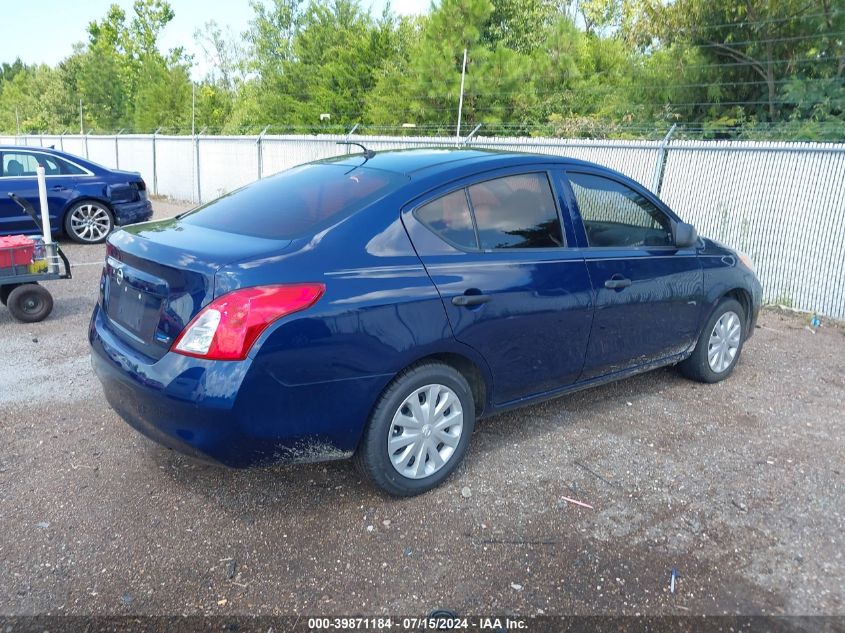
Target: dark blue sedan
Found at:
86, 200
377, 306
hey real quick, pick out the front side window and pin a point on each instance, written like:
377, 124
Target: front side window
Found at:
19, 164
615, 215
449, 217
516, 212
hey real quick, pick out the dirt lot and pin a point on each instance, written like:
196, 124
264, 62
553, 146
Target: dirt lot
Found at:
738, 486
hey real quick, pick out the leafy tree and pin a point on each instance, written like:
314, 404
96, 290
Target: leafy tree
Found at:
565, 67
224, 55
754, 49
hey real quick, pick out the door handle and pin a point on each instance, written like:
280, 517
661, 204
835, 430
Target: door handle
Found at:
470, 300
617, 282
58, 188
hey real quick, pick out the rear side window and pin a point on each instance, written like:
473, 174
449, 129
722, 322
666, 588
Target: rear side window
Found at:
450, 218
516, 212
296, 202
617, 215
69, 168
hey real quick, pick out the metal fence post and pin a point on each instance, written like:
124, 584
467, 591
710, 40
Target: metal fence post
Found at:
85, 142
469, 136
660, 165
349, 135
261, 152
155, 167
116, 150
197, 156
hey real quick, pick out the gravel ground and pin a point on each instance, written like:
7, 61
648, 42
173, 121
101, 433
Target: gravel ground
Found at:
738, 486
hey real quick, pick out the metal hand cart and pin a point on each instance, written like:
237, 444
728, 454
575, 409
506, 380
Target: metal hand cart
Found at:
19, 283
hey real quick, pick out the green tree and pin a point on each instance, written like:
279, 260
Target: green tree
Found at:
112, 74
755, 51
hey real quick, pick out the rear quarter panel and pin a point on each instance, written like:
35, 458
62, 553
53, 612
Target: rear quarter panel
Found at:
380, 313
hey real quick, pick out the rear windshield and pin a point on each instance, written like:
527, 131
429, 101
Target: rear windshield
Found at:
296, 202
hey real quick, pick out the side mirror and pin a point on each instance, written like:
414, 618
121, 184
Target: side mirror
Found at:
685, 235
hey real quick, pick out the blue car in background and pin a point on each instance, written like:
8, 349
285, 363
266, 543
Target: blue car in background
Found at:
376, 306
86, 200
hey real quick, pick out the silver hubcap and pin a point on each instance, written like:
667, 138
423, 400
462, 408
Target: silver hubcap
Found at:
724, 342
425, 431
90, 222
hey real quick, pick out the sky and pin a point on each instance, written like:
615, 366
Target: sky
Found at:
50, 28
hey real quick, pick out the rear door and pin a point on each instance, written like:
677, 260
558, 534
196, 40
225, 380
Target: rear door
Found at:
648, 292
18, 176
497, 250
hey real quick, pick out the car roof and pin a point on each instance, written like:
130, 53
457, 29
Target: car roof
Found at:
430, 161
30, 148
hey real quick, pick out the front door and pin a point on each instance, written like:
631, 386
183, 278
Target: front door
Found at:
512, 290
18, 176
648, 293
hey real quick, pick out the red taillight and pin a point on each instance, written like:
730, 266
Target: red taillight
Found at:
227, 327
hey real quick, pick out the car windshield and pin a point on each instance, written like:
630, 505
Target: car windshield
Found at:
296, 202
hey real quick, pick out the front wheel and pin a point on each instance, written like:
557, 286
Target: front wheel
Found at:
719, 344
419, 430
30, 303
89, 222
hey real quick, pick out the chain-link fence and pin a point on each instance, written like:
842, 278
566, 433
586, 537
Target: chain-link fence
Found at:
783, 203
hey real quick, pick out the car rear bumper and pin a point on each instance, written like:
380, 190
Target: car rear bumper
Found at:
132, 212
232, 413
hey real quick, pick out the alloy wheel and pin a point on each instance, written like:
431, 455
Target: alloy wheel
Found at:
90, 222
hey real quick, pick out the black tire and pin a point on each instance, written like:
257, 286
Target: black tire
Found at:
4, 292
30, 303
102, 218
373, 458
697, 367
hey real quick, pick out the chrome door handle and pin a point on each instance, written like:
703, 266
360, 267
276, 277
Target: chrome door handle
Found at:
617, 282
470, 300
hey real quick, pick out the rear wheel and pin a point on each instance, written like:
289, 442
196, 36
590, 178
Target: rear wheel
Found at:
89, 222
719, 344
419, 430
30, 303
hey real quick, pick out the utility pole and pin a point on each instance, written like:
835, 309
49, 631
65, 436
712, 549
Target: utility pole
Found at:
461, 102
17, 121
81, 127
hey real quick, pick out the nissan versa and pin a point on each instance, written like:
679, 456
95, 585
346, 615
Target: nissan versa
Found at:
376, 306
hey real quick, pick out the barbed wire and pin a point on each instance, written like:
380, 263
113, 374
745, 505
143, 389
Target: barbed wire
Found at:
763, 22
777, 40
573, 129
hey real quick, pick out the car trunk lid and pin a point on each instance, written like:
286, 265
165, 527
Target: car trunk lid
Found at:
159, 275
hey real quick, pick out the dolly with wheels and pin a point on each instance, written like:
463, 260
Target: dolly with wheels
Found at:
20, 291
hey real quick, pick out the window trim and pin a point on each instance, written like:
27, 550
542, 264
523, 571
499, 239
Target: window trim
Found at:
86, 171
637, 189
487, 177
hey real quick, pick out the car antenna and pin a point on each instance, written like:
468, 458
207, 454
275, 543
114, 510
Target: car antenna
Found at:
368, 153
